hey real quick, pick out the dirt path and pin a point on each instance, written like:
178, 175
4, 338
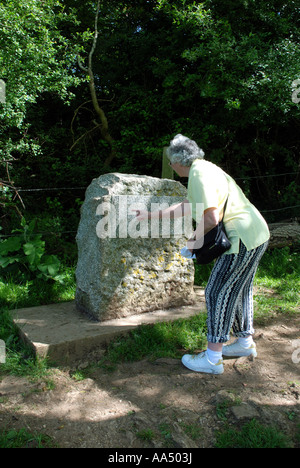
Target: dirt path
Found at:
161, 404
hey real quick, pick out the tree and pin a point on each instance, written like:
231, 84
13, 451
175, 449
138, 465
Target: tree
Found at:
221, 72
92, 86
218, 71
35, 58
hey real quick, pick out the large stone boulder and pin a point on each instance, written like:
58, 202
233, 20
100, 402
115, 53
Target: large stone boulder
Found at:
126, 267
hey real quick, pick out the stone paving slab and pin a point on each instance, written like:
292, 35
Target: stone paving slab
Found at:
61, 333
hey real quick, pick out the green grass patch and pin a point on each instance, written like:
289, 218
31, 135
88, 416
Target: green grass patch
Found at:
166, 339
16, 293
146, 435
24, 439
252, 435
279, 272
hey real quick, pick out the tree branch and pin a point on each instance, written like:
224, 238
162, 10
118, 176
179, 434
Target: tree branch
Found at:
98, 126
10, 185
81, 66
101, 114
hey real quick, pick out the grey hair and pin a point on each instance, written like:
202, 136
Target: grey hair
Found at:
184, 151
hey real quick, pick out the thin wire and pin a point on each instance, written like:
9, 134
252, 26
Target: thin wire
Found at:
268, 175
74, 232
280, 209
84, 188
48, 233
50, 189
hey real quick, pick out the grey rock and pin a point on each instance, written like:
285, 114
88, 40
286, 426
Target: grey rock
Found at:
244, 411
125, 267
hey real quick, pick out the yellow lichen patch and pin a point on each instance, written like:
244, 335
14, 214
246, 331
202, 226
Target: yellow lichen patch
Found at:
152, 275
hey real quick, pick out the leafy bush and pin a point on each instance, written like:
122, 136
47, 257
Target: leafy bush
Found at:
24, 253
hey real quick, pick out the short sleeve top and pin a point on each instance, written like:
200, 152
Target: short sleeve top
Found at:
208, 187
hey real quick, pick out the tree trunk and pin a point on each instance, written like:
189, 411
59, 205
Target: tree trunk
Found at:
284, 234
103, 126
167, 172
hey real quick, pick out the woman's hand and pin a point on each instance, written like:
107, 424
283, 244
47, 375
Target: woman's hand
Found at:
208, 221
194, 243
191, 244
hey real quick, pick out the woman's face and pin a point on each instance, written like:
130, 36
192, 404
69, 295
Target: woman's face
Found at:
182, 171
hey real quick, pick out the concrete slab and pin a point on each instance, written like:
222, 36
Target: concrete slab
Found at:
60, 332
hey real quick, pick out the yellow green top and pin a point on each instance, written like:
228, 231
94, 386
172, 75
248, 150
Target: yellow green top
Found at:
208, 187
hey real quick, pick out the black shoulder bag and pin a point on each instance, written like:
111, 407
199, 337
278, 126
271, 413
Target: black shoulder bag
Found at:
214, 245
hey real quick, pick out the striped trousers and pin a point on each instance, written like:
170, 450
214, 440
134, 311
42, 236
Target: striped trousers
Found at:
229, 294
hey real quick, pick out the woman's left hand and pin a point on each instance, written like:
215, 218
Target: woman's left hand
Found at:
191, 244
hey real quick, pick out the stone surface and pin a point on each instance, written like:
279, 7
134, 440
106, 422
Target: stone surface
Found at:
125, 267
64, 335
244, 411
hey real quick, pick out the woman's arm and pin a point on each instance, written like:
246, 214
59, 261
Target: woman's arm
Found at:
172, 212
210, 219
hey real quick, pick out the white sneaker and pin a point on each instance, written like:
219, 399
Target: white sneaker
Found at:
200, 363
236, 350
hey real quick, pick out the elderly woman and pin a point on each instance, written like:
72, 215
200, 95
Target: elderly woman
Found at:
229, 292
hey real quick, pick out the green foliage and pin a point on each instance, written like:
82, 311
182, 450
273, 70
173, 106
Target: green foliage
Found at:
35, 55
281, 263
25, 252
197, 68
220, 71
35, 58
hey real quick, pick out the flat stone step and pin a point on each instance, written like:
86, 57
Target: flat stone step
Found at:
61, 333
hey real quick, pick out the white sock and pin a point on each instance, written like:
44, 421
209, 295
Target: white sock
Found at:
214, 356
246, 342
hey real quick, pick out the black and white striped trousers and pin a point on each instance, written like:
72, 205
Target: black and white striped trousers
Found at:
229, 294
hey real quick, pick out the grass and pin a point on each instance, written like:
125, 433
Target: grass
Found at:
146, 435
166, 339
16, 293
279, 271
24, 439
252, 435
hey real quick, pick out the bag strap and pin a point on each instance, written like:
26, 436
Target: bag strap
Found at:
224, 208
